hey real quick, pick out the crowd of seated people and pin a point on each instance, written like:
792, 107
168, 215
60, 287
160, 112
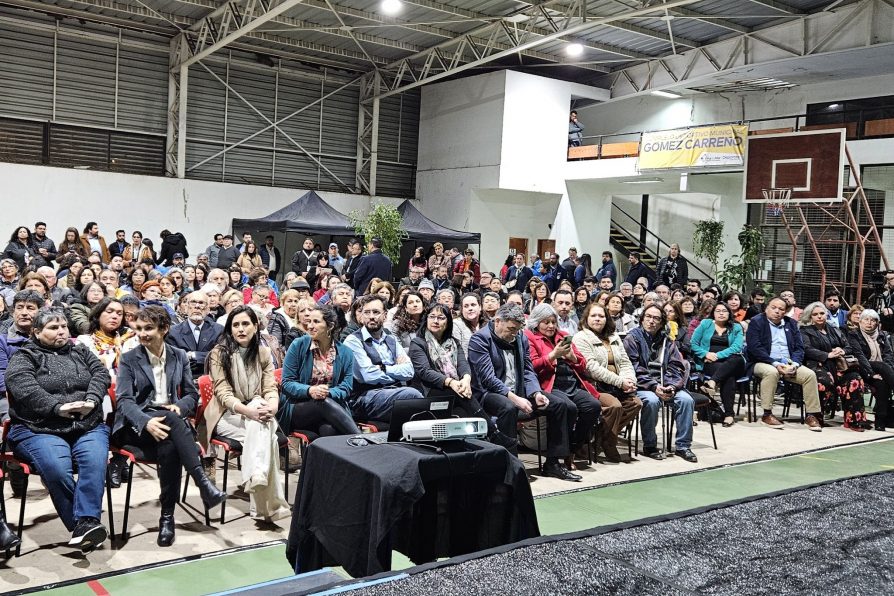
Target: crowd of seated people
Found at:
107, 344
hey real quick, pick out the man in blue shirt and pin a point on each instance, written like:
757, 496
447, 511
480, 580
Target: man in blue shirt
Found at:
774, 344
382, 367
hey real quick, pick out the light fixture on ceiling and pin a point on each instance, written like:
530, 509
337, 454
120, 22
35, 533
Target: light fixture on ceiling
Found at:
642, 180
833, 106
391, 6
574, 49
667, 94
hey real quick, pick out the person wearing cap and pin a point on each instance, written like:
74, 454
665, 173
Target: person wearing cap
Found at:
301, 286
427, 291
336, 261
469, 263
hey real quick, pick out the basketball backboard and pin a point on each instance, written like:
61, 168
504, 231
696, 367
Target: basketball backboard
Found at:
811, 163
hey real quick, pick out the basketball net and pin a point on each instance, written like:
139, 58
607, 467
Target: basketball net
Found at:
777, 199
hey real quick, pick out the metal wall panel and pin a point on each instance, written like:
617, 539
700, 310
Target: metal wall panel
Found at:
142, 89
85, 82
26, 69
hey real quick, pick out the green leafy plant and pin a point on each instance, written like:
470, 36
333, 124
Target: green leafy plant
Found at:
740, 271
707, 243
383, 221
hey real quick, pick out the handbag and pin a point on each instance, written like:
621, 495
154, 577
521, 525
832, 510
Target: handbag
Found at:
845, 363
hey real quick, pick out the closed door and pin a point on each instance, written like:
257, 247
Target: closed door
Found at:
545, 248
518, 246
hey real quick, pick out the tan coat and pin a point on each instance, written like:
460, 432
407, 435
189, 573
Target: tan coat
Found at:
594, 352
103, 249
224, 398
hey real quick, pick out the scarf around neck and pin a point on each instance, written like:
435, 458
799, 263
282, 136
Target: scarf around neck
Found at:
246, 380
442, 354
875, 351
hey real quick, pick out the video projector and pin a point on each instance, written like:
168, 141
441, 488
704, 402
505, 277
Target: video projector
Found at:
444, 430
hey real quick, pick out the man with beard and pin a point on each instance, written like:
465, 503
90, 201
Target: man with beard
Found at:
382, 367
304, 261
45, 247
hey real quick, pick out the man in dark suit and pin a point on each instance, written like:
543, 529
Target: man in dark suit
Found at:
639, 269
197, 335
775, 346
352, 261
518, 276
374, 264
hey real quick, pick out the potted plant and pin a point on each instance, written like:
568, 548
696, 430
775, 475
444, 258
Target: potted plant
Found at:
707, 243
383, 221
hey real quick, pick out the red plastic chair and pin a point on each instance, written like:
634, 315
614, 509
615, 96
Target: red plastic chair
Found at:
6, 457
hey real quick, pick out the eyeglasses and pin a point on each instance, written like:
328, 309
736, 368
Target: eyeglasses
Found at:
437, 318
652, 317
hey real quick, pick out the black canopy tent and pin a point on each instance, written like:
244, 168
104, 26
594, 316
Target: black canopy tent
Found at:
309, 215
422, 229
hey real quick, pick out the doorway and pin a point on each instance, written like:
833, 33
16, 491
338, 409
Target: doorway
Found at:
518, 245
546, 248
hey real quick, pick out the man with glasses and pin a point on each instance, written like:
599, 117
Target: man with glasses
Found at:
413, 279
196, 335
660, 377
506, 386
382, 367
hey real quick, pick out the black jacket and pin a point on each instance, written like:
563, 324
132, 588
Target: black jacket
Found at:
41, 379
116, 249
817, 346
180, 336
171, 245
640, 270
351, 264
428, 378
861, 351
375, 264
135, 387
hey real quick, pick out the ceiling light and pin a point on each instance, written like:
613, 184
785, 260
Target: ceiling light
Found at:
667, 94
833, 106
641, 180
574, 49
392, 6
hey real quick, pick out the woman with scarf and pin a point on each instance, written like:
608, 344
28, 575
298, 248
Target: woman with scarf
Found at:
562, 371
471, 318
872, 346
155, 396
826, 352
441, 369
614, 306
317, 379
244, 408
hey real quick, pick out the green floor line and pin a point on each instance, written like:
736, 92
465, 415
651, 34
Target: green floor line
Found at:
570, 512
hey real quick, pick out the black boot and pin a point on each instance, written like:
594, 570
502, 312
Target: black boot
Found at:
211, 495
116, 470
166, 528
8, 538
510, 444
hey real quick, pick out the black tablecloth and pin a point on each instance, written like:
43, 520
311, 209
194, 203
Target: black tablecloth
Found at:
355, 504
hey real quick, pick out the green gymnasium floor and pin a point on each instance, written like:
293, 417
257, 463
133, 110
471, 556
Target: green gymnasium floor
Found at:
557, 514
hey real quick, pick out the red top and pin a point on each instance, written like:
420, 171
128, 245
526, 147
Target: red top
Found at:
546, 368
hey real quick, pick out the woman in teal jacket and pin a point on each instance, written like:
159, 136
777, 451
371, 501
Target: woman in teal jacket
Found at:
317, 378
717, 345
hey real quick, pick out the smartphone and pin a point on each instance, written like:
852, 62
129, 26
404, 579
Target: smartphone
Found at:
566, 340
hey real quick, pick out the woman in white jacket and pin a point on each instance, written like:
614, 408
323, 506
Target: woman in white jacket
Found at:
609, 365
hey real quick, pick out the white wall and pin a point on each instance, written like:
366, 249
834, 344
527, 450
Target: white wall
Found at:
66, 197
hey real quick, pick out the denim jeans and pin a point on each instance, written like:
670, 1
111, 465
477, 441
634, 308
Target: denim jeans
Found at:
376, 404
648, 418
52, 456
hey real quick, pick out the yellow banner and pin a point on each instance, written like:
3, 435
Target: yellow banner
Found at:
705, 146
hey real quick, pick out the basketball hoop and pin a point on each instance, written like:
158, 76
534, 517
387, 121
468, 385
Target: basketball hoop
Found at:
777, 199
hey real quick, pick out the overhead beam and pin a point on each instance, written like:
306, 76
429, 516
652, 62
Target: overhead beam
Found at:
709, 19
578, 28
216, 26
778, 6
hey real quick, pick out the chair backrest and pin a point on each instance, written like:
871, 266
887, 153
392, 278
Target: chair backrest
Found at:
206, 394
278, 375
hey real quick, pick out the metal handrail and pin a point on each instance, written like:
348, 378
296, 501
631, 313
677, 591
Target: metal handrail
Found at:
660, 242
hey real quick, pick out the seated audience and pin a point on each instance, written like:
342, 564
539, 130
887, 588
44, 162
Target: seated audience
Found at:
471, 318
407, 318
244, 409
829, 355
756, 303
581, 300
563, 303
622, 322
317, 380
490, 302
717, 345
562, 372
660, 376
504, 382
152, 414
79, 313
196, 335
853, 317
774, 344
837, 316
609, 366
56, 390
382, 367
872, 346
285, 318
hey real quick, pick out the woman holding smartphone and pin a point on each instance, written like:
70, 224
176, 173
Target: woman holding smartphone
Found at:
563, 371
